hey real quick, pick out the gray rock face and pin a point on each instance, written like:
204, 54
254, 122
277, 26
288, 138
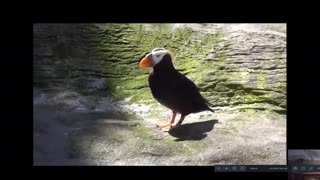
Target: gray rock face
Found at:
62, 59
254, 67
247, 62
247, 65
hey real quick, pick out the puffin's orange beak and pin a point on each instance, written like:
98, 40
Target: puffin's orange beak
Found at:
145, 63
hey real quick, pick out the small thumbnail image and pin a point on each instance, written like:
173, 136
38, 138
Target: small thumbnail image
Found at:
304, 156
304, 176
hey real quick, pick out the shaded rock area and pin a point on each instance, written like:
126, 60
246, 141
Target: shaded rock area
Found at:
93, 106
63, 60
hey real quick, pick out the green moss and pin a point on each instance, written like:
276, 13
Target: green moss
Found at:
251, 111
262, 78
223, 56
130, 116
137, 84
282, 84
141, 131
249, 97
221, 87
123, 45
283, 89
277, 59
142, 95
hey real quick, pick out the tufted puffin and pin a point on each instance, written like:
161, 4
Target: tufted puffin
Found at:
171, 88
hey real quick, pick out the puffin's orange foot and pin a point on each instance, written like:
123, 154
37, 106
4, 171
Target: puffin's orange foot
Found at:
165, 127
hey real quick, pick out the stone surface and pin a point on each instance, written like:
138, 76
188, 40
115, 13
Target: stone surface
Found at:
65, 136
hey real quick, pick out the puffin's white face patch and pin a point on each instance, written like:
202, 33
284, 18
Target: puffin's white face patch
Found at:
158, 54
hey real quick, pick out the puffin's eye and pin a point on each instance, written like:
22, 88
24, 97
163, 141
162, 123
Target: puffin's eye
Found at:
158, 55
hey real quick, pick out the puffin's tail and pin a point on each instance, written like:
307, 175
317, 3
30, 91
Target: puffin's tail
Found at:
208, 104
209, 109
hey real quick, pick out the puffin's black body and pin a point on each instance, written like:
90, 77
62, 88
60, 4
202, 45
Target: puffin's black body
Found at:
175, 91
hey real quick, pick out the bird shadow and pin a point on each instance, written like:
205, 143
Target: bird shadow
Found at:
193, 131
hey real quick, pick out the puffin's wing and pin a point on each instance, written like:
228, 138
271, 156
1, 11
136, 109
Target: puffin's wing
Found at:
190, 90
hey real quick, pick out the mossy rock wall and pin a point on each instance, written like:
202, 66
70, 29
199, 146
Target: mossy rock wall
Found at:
230, 67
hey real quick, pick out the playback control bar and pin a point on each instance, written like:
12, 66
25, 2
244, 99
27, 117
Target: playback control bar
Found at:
251, 168
268, 168
304, 168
